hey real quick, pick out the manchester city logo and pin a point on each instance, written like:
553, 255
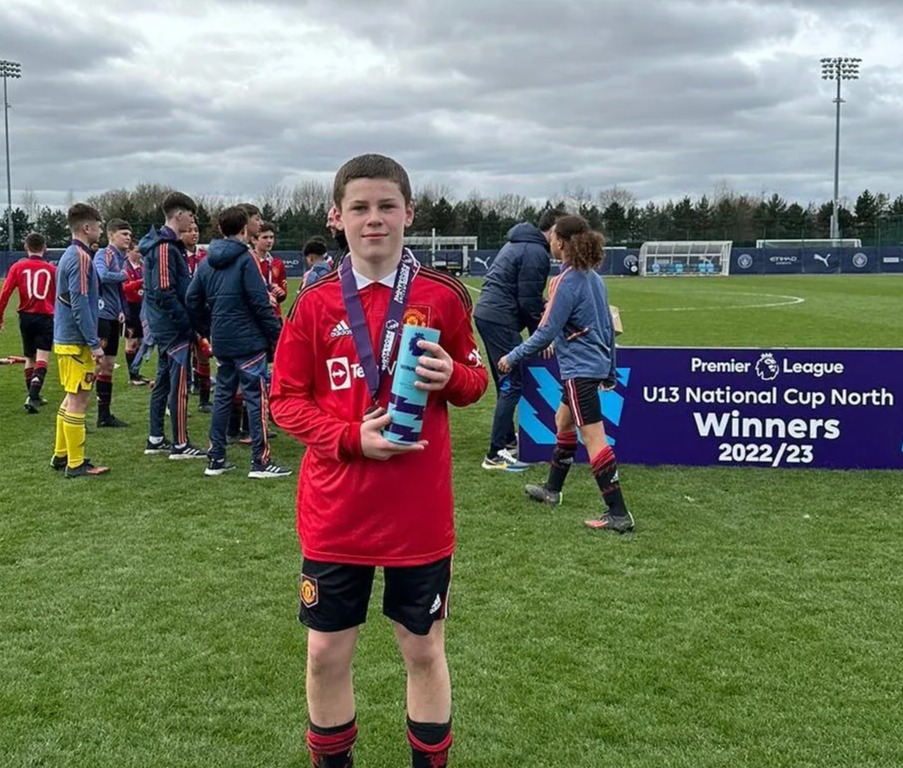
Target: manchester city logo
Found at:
745, 261
860, 260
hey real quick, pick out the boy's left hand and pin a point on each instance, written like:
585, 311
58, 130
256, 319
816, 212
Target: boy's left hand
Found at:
437, 370
503, 365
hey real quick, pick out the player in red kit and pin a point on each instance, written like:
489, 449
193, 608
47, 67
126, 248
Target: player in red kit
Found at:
35, 280
271, 268
133, 288
200, 351
365, 502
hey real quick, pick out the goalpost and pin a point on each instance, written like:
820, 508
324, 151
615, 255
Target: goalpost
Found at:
686, 258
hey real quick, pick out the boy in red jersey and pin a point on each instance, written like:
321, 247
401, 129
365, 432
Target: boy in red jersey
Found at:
134, 291
200, 353
35, 280
364, 502
271, 268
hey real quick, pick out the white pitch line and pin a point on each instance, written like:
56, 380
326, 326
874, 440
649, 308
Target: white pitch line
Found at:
788, 302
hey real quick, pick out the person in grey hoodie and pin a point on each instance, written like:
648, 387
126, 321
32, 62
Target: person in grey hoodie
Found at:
229, 302
511, 301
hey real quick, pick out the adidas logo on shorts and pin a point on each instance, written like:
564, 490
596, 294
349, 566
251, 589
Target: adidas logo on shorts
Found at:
341, 329
437, 604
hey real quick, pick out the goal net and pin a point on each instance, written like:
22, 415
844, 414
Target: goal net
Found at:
684, 258
843, 242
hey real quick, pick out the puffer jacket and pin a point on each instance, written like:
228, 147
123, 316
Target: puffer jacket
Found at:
229, 302
512, 292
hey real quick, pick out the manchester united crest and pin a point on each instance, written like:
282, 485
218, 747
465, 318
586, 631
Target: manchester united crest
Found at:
415, 315
310, 593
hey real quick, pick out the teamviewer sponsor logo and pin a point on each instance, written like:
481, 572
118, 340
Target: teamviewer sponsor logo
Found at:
339, 373
341, 329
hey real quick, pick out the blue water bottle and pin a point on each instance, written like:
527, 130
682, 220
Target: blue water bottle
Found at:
406, 402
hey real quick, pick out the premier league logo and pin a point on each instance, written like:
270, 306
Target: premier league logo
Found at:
414, 345
767, 367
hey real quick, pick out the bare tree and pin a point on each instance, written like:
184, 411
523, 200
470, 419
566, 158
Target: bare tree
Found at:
510, 205
112, 202
434, 191
477, 200
616, 194
148, 196
30, 204
576, 196
276, 197
310, 195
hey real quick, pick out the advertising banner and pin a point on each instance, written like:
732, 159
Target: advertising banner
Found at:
790, 408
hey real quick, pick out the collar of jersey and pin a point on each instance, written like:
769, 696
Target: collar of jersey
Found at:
363, 282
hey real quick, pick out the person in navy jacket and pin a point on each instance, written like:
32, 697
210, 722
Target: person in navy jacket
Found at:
229, 301
166, 282
511, 301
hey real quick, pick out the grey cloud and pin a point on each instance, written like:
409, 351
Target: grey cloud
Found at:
525, 97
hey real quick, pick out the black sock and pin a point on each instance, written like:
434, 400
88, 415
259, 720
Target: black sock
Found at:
562, 459
203, 388
605, 470
104, 395
129, 359
37, 381
29, 374
331, 747
430, 743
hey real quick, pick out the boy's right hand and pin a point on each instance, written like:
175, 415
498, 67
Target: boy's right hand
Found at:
374, 445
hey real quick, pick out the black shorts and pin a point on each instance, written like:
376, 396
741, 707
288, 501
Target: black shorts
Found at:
335, 597
582, 397
37, 333
133, 329
109, 331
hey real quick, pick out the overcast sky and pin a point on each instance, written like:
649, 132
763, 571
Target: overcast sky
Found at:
531, 97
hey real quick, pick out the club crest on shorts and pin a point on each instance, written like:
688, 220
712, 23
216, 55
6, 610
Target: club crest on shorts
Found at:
310, 591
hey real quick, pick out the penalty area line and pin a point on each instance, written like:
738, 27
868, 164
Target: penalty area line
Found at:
786, 301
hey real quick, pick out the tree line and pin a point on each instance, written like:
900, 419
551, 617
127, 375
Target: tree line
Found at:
299, 213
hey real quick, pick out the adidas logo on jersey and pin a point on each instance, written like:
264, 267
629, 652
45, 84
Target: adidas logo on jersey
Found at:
341, 329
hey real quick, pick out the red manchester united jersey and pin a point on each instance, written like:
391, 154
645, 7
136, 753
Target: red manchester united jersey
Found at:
35, 280
353, 509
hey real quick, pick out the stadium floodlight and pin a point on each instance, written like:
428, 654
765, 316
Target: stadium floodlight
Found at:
838, 68
8, 69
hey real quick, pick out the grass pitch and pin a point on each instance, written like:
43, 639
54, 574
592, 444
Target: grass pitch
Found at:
147, 618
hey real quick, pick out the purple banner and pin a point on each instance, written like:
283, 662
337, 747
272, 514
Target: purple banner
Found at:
792, 408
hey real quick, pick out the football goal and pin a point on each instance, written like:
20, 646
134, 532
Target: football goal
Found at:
685, 258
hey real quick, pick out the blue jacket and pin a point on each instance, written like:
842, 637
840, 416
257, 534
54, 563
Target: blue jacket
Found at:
318, 269
578, 320
229, 301
166, 281
109, 263
512, 292
75, 308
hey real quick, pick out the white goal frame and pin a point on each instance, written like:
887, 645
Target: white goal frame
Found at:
685, 258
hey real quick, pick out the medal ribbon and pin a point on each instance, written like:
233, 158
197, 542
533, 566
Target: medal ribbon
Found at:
360, 333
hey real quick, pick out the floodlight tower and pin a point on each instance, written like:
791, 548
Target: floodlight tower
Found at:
8, 69
838, 68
